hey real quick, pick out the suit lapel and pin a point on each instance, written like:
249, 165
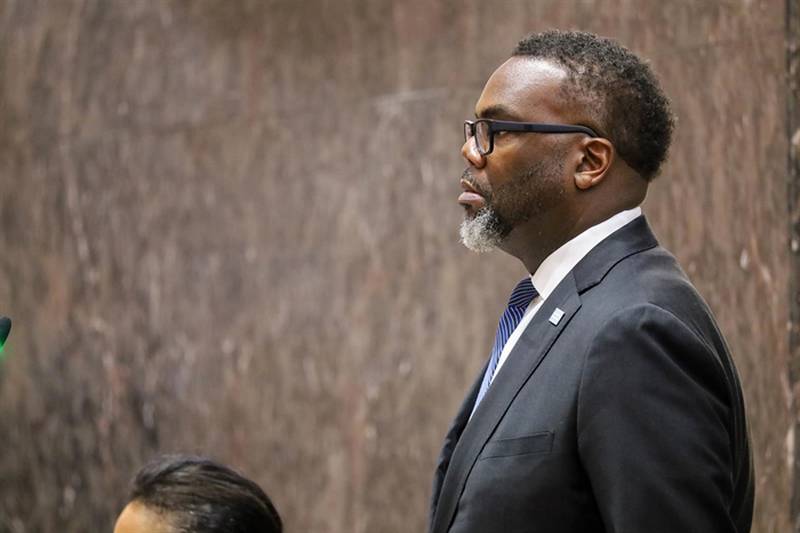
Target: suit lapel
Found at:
523, 360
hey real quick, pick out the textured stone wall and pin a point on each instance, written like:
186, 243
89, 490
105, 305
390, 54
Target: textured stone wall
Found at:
230, 228
793, 129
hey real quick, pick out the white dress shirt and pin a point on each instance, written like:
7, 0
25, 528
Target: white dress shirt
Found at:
558, 264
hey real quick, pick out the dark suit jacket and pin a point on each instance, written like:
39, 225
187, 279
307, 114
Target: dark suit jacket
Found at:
625, 417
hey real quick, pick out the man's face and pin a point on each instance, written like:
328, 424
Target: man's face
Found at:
524, 176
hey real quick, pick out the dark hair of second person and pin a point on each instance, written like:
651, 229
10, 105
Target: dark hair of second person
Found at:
182, 494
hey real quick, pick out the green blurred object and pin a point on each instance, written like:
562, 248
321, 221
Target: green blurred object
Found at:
5, 329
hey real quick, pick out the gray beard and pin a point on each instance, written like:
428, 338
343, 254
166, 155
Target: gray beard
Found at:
528, 194
484, 232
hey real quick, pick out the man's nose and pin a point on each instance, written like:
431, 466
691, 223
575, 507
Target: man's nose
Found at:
469, 150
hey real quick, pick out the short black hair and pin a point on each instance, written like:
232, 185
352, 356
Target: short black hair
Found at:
617, 87
201, 496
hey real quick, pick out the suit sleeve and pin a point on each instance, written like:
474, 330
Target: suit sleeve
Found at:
654, 426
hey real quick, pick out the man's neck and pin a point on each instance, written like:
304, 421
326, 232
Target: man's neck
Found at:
532, 245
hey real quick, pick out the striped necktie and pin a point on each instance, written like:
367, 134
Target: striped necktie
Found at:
522, 295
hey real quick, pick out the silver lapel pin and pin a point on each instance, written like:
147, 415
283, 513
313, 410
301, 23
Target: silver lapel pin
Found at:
555, 318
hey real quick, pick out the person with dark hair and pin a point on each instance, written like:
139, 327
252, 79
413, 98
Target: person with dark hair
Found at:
184, 494
609, 401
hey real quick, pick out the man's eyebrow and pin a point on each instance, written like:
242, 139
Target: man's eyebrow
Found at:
497, 112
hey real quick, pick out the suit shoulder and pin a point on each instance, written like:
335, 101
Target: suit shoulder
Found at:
652, 279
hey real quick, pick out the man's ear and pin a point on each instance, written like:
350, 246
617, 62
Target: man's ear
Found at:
596, 159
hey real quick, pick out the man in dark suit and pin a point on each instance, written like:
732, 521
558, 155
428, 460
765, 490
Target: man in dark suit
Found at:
609, 402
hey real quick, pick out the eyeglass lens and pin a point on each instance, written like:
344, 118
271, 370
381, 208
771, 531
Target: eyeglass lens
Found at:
482, 135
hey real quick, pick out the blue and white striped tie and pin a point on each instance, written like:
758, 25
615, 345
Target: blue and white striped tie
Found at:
522, 295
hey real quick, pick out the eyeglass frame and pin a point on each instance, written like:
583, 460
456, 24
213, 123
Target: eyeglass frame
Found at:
470, 127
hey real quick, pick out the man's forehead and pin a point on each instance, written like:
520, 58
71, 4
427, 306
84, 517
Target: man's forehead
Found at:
139, 518
521, 87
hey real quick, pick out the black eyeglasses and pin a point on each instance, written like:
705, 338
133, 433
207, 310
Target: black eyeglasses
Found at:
484, 129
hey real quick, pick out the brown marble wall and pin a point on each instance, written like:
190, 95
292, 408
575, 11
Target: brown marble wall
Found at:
793, 129
230, 228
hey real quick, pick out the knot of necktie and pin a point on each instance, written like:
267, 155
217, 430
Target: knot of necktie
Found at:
523, 294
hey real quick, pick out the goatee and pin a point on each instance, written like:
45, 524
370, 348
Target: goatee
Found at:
484, 232
526, 195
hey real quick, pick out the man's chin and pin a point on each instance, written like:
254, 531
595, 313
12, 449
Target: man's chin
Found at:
481, 232
479, 247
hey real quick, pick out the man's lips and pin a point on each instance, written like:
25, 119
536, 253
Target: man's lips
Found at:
470, 197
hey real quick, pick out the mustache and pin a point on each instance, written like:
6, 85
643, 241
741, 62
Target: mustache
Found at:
470, 179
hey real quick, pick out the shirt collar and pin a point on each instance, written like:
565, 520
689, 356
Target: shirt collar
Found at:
559, 263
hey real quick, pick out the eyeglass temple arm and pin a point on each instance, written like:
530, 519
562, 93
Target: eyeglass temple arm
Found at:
545, 128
